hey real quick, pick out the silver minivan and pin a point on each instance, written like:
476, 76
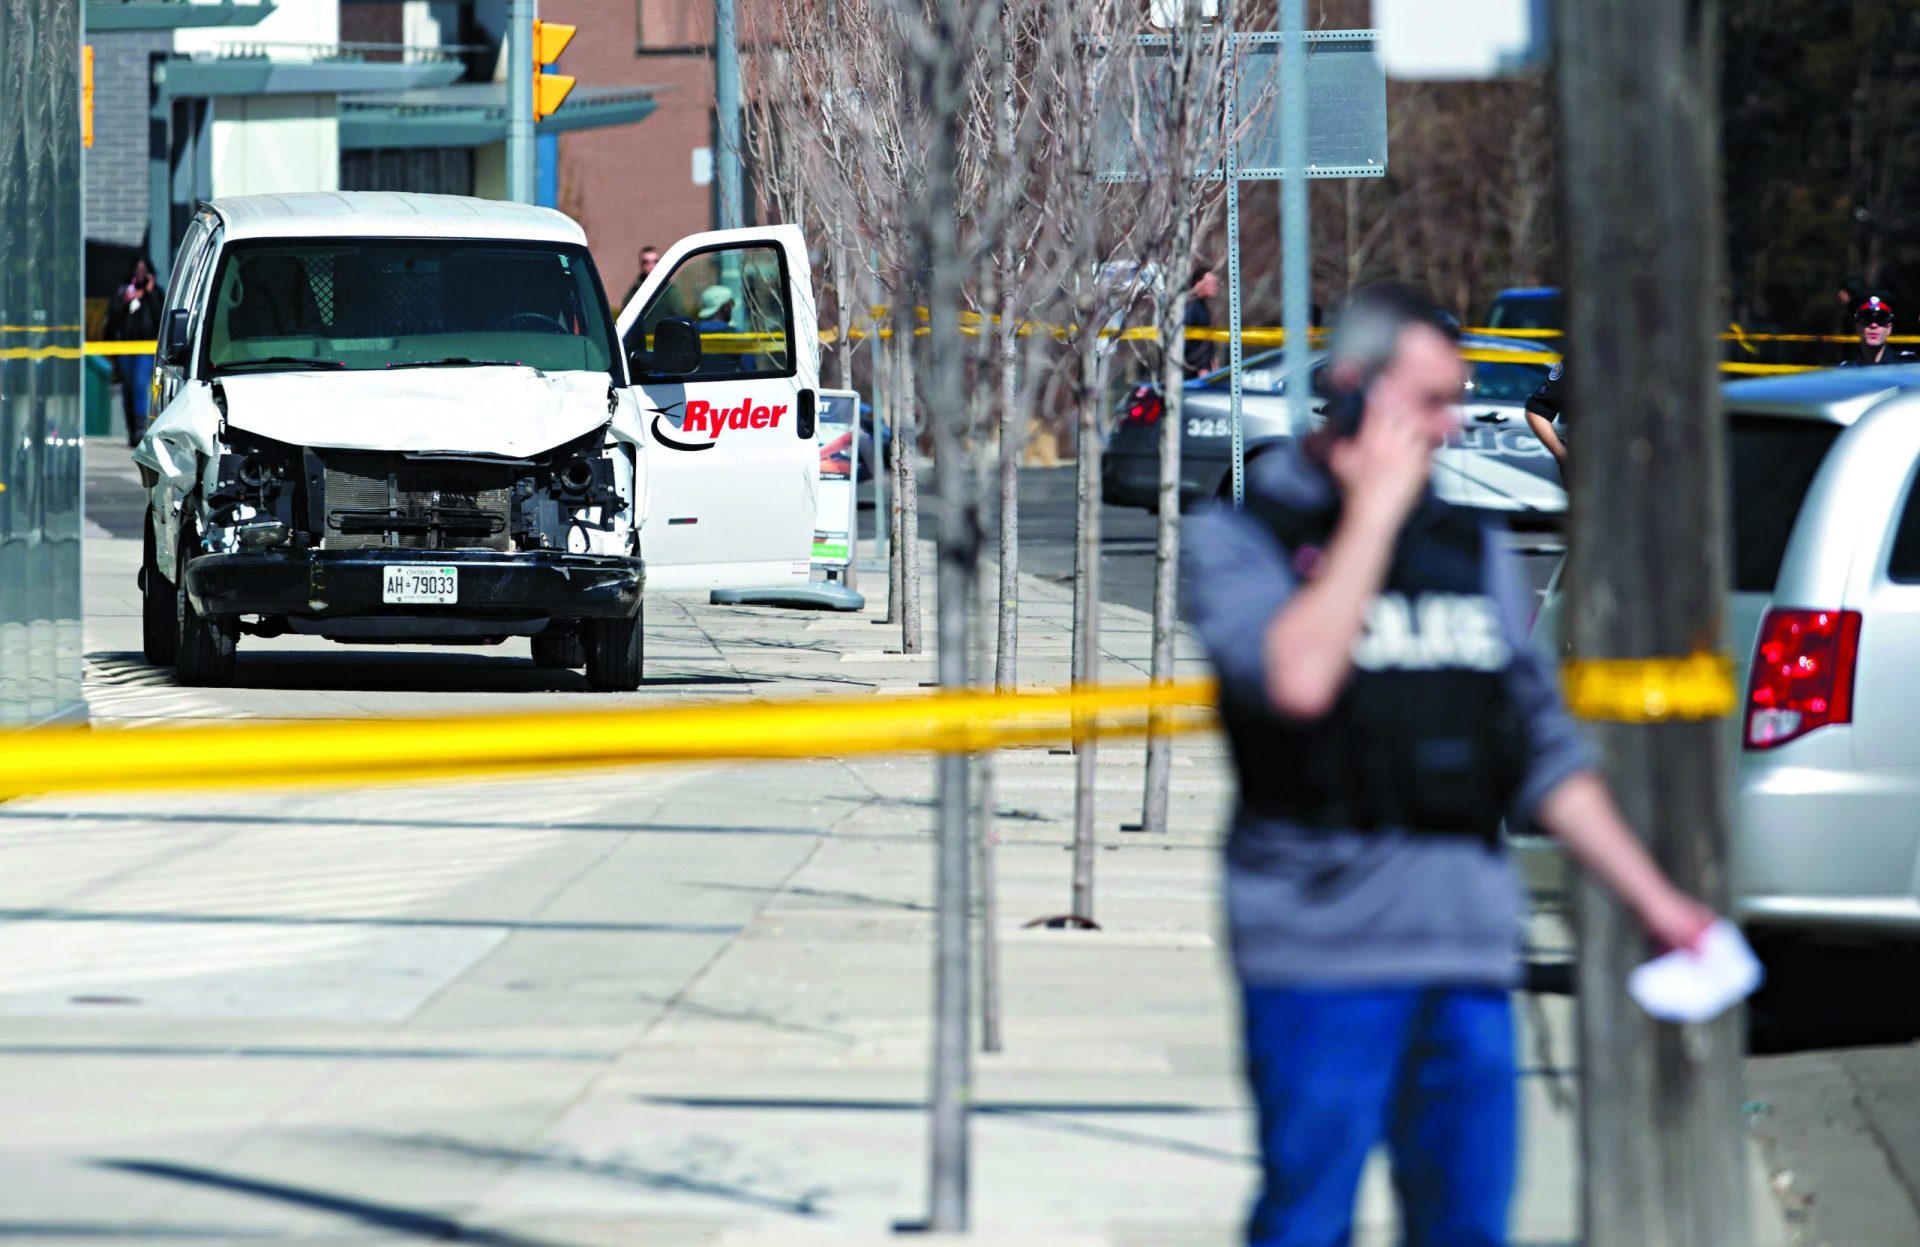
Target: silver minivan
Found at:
1825, 619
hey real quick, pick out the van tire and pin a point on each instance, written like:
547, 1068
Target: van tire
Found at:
559, 648
616, 654
207, 644
159, 625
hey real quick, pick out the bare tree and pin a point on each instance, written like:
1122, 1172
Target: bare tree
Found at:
1089, 224
857, 131
1179, 129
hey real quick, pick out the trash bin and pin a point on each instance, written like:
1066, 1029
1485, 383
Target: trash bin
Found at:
99, 396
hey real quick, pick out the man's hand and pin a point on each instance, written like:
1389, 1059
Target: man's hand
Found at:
1582, 816
1382, 469
1675, 920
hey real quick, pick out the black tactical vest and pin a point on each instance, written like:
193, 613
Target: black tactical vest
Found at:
1424, 736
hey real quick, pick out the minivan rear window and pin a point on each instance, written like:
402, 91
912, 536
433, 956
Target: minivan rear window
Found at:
1771, 465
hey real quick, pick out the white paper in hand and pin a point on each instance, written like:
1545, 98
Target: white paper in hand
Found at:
1689, 985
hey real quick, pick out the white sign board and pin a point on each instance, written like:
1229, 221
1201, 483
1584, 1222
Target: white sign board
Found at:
836, 520
1446, 40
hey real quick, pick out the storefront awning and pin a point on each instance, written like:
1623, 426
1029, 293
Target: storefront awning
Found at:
320, 73
472, 114
172, 14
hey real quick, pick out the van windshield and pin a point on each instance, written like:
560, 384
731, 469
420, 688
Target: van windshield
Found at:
1771, 465
361, 304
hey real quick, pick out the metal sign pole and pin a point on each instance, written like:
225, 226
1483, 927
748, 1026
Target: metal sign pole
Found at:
1233, 275
726, 91
520, 155
1297, 261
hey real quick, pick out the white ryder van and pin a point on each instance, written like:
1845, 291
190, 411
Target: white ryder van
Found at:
413, 418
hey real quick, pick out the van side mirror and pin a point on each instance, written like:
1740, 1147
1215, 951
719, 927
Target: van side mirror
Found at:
177, 337
675, 351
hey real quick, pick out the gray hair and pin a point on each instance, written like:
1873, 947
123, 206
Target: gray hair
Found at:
1368, 331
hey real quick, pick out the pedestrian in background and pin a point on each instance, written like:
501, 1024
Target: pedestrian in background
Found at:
1385, 711
1873, 321
649, 260
1201, 290
133, 315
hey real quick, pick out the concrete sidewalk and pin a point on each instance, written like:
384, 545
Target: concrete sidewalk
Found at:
666, 1006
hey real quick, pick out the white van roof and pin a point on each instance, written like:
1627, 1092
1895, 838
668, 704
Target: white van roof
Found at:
391, 214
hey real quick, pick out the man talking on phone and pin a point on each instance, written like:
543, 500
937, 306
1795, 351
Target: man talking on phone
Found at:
1385, 713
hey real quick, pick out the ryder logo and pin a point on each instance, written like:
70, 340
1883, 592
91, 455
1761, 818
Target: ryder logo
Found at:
704, 417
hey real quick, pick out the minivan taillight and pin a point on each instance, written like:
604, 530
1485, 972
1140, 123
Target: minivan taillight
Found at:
1143, 405
1802, 674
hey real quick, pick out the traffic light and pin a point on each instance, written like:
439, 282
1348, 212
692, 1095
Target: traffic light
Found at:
549, 90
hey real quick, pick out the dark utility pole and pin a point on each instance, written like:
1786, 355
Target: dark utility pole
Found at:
1637, 80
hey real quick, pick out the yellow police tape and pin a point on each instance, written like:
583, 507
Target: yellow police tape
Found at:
751, 343
277, 755
1649, 690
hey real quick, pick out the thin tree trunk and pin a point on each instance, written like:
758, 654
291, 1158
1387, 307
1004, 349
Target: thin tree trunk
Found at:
843, 302
1013, 429
1086, 586
958, 570
989, 885
905, 435
1166, 546
896, 374
1013, 425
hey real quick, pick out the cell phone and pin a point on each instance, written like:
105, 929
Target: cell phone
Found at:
1344, 412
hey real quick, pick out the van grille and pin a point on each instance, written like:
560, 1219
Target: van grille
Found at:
386, 501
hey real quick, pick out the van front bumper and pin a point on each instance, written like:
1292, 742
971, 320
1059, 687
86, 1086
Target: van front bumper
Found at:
333, 584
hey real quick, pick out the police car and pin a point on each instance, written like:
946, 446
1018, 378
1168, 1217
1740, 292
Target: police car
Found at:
414, 418
1496, 464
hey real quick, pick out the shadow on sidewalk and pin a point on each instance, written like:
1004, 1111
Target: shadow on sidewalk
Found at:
676, 1181
389, 1217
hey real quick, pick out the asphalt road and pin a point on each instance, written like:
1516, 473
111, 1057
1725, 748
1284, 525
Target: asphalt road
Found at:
1127, 536
1047, 531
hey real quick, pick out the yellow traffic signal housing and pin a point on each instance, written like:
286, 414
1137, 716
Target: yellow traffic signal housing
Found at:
549, 90
86, 95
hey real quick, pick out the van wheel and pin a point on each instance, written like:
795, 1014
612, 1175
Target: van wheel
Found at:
559, 648
206, 643
159, 627
616, 650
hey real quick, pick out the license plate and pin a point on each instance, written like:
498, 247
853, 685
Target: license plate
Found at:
436, 586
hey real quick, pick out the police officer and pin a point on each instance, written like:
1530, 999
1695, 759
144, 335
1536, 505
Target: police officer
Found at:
1873, 321
1547, 416
1385, 711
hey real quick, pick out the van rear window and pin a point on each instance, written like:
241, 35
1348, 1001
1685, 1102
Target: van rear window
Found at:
1771, 466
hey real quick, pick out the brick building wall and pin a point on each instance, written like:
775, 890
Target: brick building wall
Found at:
116, 164
633, 185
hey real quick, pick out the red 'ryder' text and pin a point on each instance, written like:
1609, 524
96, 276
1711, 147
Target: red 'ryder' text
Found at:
704, 417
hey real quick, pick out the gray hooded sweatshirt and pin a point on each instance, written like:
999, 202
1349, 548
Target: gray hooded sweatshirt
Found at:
1312, 907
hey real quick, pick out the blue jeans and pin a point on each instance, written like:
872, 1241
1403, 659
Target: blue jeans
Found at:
136, 388
1427, 1069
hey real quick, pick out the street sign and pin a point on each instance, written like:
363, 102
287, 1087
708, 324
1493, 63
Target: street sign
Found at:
836, 518
1346, 94
1452, 40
